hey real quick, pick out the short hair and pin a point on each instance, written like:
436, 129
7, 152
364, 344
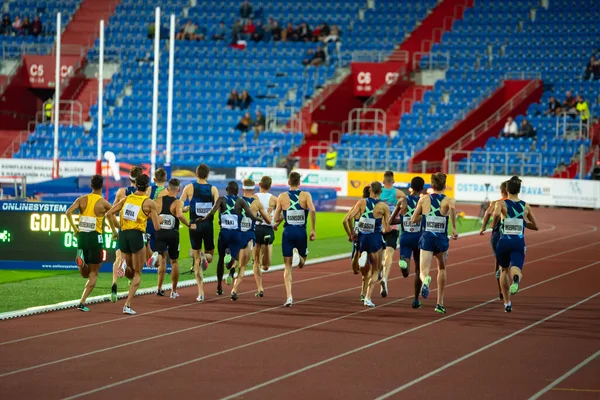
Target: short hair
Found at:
388, 175
366, 192
174, 183
248, 182
514, 185
142, 182
265, 182
202, 171
417, 184
294, 179
438, 181
97, 182
160, 175
376, 187
232, 188
503, 186
135, 172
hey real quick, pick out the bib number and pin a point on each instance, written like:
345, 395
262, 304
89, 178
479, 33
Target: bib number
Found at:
229, 222
409, 226
513, 226
366, 225
87, 224
131, 212
295, 217
202, 209
435, 224
168, 221
246, 224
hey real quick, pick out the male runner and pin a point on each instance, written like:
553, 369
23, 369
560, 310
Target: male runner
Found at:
265, 234
435, 208
411, 233
92, 208
390, 196
292, 207
167, 239
134, 212
515, 216
156, 190
495, 232
248, 236
373, 222
202, 197
351, 227
230, 208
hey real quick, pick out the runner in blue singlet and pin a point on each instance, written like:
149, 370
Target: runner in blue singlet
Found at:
495, 232
435, 208
351, 228
390, 196
293, 207
516, 215
411, 233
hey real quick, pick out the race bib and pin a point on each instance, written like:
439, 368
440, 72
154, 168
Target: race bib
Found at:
295, 217
87, 224
435, 224
366, 225
202, 209
131, 212
229, 222
168, 221
409, 226
246, 224
513, 226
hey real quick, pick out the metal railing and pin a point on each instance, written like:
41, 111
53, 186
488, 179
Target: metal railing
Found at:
366, 120
439, 60
398, 76
13, 147
284, 119
380, 56
70, 112
568, 127
363, 158
496, 163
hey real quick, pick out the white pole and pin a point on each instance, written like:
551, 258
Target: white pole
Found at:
170, 94
155, 93
56, 105
100, 100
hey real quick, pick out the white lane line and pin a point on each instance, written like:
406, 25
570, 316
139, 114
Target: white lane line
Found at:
565, 376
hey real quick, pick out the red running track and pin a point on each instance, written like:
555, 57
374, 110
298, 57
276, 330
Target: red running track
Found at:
328, 345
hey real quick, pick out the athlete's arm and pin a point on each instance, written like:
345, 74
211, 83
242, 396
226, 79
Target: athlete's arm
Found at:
213, 210
106, 206
278, 216
75, 206
385, 221
153, 214
452, 207
417, 214
120, 195
272, 204
399, 207
179, 213
530, 219
240, 204
313, 216
185, 195
215, 193
400, 197
498, 209
349, 219
112, 218
486, 217
266, 217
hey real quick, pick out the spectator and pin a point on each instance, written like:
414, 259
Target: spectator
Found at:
276, 32
36, 26
221, 32
510, 128
245, 100
188, 31
17, 25
569, 103
245, 12
249, 29
26, 27
236, 31
583, 109
325, 30
304, 33
245, 124
588, 69
527, 131
6, 26
268, 27
318, 58
151, 30
289, 33
334, 36
330, 158
200, 33
233, 101
259, 32
259, 124
553, 106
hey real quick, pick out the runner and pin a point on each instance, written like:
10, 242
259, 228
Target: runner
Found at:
411, 233
265, 235
155, 191
495, 232
293, 207
248, 237
202, 197
390, 196
435, 208
230, 208
92, 208
351, 228
134, 212
515, 216
167, 239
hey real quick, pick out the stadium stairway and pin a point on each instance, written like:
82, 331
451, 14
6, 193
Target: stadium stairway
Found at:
84, 26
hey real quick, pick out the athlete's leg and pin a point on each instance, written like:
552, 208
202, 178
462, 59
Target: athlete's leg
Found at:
256, 268
138, 263
116, 265
505, 285
267, 254
497, 274
198, 273
91, 282
441, 279
244, 257
174, 274
387, 266
287, 278
162, 270
373, 276
515, 278
425, 266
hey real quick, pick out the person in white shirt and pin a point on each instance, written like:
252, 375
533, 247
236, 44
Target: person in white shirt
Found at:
510, 127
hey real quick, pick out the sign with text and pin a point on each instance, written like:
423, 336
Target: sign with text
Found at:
357, 180
337, 180
41, 170
41, 69
369, 76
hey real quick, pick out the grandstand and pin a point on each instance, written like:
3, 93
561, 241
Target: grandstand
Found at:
466, 66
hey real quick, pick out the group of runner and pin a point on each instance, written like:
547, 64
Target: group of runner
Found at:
150, 217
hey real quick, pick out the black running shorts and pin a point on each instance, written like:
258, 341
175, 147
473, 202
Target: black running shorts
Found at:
204, 234
92, 245
131, 241
264, 234
391, 239
167, 240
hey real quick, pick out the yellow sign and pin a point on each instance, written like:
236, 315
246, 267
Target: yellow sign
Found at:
359, 179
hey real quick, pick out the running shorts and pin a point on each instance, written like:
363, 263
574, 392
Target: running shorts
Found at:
371, 243
91, 243
204, 233
494, 240
265, 234
294, 237
391, 239
409, 245
230, 239
434, 243
131, 241
511, 252
246, 237
168, 240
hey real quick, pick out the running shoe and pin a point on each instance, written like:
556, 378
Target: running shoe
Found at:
362, 298
128, 310
200, 298
82, 307
416, 304
295, 258
219, 291
369, 303
230, 275
113, 293
403, 264
152, 260
174, 295
289, 302
203, 262
508, 308
79, 259
514, 288
227, 258
362, 260
234, 296
425, 287
160, 293
259, 294
440, 309
384, 291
